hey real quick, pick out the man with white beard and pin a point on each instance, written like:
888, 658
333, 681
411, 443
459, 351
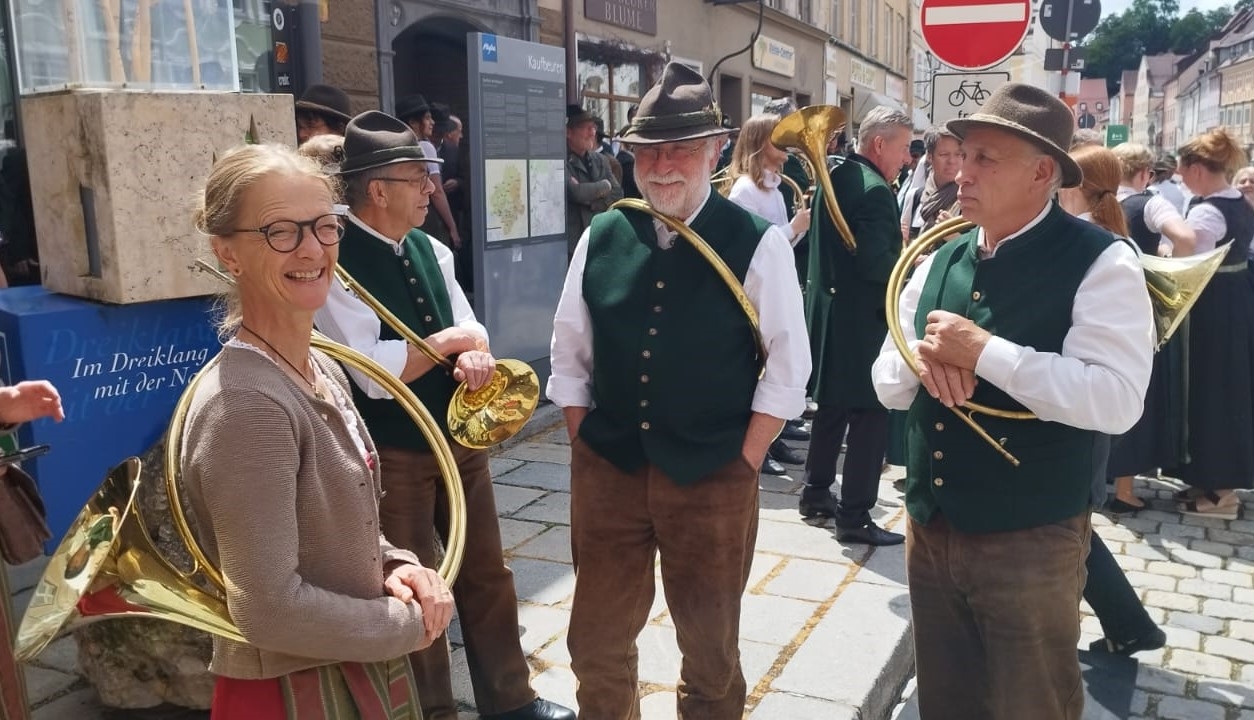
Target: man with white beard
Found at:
656, 367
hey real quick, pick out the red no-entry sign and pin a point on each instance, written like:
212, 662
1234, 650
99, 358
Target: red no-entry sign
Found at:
974, 34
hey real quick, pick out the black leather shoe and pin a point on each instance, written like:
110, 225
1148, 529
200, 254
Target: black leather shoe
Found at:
817, 505
811, 408
781, 452
771, 467
538, 709
869, 534
795, 430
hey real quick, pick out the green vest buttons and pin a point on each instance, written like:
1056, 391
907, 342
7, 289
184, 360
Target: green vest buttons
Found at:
646, 354
831, 291
644, 425
660, 285
653, 331
426, 318
405, 263
938, 482
657, 308
644, 403
644, 378
940, 426
976, 296
938, 455
413, 281
421, 300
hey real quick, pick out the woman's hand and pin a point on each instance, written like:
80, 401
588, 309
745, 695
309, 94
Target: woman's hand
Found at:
407, 583
30, 400
475, 368
800, 221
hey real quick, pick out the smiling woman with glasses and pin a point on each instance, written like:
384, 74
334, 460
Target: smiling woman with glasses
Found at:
286, 470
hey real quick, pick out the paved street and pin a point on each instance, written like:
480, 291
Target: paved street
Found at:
825, 632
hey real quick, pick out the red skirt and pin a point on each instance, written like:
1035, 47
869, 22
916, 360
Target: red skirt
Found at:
235, 699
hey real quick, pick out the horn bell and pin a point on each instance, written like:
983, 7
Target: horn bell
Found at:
808, 130
1175, 284
108, 567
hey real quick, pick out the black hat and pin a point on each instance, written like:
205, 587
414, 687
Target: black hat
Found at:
326, 100
1033, 114
374, 139
679, 107
917, 147
411, 106
440, 112
575, 114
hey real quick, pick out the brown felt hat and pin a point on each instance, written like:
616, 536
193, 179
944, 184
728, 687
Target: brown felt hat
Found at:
679, 107
326, 100
1033, 114
374, 139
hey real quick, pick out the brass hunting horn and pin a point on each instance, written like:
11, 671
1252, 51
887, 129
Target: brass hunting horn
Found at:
107, 565
808, 130
480, 418
1174, 285
715, 261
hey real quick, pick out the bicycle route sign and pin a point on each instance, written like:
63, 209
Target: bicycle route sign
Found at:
974, 34
957, 95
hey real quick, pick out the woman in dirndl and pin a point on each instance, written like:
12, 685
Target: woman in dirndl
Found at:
1220, 448
283, 477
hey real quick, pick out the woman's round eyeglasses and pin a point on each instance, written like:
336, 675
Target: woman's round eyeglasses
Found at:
285, 235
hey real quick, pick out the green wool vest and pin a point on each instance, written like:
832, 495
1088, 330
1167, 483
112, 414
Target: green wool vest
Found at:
411, 286
675, 365
1024, 294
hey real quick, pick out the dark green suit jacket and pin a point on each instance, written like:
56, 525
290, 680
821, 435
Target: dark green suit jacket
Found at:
845, 292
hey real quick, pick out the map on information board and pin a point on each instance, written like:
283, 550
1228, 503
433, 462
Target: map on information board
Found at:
506, 183
548, 197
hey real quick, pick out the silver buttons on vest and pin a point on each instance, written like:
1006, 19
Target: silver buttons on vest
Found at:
940, 426
646, 354
644, 403
413, 281
659, 285
426, 318
938, 482
420, 300
657, 308
938, 455
405, 263
644, 425
653, 331
644, 378
976, 296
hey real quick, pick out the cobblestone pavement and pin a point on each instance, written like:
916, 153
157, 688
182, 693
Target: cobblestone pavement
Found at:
825, 632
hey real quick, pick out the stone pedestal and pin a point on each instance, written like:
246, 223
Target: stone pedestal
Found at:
114, 176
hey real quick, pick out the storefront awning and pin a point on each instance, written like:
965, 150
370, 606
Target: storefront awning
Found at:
863, 101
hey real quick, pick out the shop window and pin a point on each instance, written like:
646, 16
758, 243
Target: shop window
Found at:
254, 45
612, 78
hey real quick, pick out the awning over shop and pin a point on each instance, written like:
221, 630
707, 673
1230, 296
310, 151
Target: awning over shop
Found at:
921, 121
863, 101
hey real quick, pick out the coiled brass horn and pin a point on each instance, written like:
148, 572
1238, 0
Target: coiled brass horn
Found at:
1174, 285
808, 130
477, 419
107, 565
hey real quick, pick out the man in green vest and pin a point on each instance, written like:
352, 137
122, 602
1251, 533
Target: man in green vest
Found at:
388, 189
845, 314
1032, 310
656, 367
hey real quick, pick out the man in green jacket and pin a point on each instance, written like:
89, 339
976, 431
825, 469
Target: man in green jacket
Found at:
665, 448
388, 188
1051, 314
845, 315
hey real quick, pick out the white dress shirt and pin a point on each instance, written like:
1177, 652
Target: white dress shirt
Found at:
1158, 210
767, 204
349, 321
1097, 382
770, 283
1208, 222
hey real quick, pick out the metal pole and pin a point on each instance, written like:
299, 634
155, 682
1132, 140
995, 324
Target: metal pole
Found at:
1066, 51
572, 52
310, 28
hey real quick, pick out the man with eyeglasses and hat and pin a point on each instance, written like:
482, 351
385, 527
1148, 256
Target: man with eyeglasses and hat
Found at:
1033, 310
388, 189
656, 369
322, 110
